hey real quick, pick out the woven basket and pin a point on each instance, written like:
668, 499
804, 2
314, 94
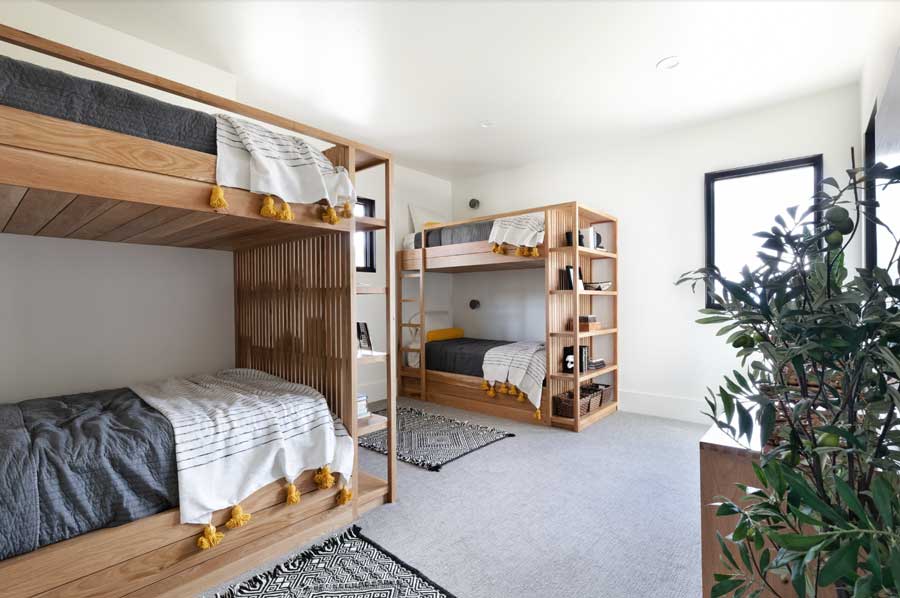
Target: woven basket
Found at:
592, 397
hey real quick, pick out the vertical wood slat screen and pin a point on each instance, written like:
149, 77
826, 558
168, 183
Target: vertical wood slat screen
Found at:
291, 306
561, 306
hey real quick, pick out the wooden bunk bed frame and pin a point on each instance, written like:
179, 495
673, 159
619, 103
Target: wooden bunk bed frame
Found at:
294, 281
562, 308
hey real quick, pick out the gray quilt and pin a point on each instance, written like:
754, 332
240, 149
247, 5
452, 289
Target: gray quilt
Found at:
53, 93
459, 355
74, 464
461, 233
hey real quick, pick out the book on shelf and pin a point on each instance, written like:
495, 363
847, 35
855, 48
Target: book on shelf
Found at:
362, 406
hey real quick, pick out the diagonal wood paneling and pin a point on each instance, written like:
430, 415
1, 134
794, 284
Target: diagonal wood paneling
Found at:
10, 196
36, 209
178, 227
75, 215
121, 213
140, 224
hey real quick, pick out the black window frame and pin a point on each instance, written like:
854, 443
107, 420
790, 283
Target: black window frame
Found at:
368, 210
710, 179
871, 194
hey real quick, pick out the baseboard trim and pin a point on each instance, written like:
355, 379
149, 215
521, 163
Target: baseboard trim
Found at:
669, 407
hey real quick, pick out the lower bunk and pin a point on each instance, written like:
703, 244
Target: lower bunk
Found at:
91, 482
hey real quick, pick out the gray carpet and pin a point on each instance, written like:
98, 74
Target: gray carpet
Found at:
612, 512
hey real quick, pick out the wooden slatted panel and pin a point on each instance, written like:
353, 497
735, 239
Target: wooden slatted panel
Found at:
119, 215
10, 196
75, 215
36, 209
291, 301
560, 306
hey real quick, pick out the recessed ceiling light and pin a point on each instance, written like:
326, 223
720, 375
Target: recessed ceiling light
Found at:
487, 124
669, 63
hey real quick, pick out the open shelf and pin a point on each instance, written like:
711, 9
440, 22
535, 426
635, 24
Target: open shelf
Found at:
591, 418
366, 356
597, 253
367, 223
586, 376
588, 216
587, 334
597, 293
371, 423
373, 491
371, 290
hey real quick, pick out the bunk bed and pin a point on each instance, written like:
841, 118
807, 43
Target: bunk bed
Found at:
449, 372
86, 172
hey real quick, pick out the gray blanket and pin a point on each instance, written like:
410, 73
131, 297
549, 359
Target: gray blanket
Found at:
459, 355
74, 464
53, 93
461, 233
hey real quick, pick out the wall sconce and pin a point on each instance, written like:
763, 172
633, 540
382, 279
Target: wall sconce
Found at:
474, 203
474, 304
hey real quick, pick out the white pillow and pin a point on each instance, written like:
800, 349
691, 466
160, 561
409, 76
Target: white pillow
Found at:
422, 215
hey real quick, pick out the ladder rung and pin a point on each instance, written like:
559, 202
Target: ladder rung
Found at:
411, 349
405, 325
416, 275
409, 300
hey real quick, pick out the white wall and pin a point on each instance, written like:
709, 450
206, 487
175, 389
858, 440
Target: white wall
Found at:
882, 51
81, 315
655, 187
411, 187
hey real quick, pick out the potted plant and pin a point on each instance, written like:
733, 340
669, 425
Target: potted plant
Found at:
820, 353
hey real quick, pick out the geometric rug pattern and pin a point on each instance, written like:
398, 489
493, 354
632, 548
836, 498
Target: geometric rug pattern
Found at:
431, 441
346, 566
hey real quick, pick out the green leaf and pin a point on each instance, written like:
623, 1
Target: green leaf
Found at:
850, 499
727, 509
841, 564
802, 489
798, 541
863, 587
760, 475
767, 422
895, 566
725, 552
882, 494
725, 586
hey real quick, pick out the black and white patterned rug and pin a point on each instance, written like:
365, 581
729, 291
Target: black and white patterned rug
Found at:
346, 566
431, 441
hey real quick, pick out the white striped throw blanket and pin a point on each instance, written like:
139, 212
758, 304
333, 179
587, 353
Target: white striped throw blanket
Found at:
524, 365
525, 230
263, 161
240, 429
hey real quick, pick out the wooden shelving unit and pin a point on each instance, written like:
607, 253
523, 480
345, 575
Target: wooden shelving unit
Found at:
371, 423
564, 306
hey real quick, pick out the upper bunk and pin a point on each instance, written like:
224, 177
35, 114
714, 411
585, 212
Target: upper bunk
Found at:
92, 168
463, 246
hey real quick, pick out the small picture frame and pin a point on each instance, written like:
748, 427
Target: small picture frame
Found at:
362, 334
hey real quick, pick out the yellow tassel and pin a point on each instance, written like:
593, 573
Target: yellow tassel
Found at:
344, 496
521, 397
503, 388
209, 538
347, 211
286, 213
491, 392
217, 198
535, 252
498, 249
537, 414
329, 215
323, 478
513, 391
485, 385
293, 495
238, 517
268, 208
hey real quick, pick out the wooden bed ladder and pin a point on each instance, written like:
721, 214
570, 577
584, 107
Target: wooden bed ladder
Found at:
407, 374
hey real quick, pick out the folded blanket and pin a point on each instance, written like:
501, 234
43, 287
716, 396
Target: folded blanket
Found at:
525, 230
239, 430
523, 365
285, 166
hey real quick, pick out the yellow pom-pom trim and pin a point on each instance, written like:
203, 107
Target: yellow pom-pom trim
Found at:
521, 397
286, 213
268, 207
503, 388
293, 495
537, 414
217, 198
344, 496
347, 210
329, 216
238, 517
209, 538
491, 392
535, 252
485, 385
323, 478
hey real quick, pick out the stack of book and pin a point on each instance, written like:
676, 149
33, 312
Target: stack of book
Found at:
596, 363
362, 406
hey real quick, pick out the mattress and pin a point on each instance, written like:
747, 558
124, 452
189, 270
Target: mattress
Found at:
73, 464
452, 235
53, 93
459, 355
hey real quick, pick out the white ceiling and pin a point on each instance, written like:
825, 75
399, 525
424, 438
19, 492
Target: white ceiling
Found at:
418, 78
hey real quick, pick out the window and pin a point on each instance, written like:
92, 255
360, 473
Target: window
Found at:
365, 240
883, 203
744, 201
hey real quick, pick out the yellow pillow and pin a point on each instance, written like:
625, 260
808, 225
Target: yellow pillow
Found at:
444, 334
427, 224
